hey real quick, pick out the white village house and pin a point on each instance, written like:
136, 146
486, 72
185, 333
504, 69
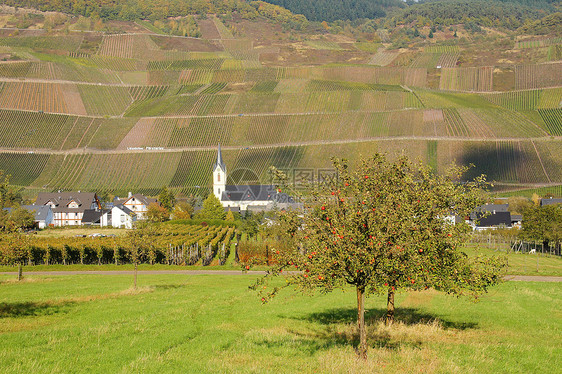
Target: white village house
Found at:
121, 216
137, 203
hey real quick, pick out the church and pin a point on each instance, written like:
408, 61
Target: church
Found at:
246, 197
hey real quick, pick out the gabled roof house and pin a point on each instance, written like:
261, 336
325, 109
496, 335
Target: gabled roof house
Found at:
68, 207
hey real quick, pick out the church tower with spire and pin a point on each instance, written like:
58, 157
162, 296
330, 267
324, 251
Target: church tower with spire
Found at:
219, 175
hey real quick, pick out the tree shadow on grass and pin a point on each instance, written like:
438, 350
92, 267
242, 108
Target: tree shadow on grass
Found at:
168, 286
33, 309
407, 316
339, 329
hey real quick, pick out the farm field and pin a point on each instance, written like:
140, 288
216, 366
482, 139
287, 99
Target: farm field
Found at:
212, 323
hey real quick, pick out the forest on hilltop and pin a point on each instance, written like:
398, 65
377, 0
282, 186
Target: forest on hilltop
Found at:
490, 13
510, 13
331, 10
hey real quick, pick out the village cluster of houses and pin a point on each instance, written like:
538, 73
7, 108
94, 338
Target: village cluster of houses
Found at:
84, 208
76, 208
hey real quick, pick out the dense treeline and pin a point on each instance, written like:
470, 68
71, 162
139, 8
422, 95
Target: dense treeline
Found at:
547, 25
482, 12
506, 13
540, 4
161, 10
135, 9
331, 10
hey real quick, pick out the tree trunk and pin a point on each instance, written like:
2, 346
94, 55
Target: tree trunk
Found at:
20, 272
362, 350
389, 309
135, 277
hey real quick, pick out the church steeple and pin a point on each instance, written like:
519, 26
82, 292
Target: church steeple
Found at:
220, 164
219, 175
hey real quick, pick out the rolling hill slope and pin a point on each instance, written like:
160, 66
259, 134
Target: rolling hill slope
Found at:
139, 111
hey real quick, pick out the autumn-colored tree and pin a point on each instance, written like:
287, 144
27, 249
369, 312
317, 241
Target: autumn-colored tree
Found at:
157, 213
382, 227
182, 210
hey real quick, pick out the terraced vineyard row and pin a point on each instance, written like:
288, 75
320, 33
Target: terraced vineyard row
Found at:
211, 70
537, 43
528, 100
68, 132
538, 76
35, 130
72, 71
46, 97
96, 101
466, 79
516, 162
257, 102
432, 60
69, 43
22, 168
553, 120
383, 57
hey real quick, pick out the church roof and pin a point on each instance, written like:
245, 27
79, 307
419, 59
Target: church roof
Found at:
250, 193
220, 162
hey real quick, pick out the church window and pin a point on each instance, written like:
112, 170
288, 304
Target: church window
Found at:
218, 177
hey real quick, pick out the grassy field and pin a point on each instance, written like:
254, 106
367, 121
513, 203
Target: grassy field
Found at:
212, 323
521, 263
69, 232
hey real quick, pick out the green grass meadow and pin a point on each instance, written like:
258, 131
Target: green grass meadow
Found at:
214, 324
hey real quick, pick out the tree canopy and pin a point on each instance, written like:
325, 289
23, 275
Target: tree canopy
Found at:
490, 13
331, 10
212, 208
382, 227
543, 223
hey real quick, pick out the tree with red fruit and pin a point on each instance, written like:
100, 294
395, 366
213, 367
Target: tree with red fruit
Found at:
382, 227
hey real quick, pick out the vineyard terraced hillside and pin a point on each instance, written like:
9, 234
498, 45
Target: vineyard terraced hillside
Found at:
137, 111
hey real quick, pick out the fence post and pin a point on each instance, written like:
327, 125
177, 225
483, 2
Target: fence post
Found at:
537, 253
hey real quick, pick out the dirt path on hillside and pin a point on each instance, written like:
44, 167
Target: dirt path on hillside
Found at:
518, 278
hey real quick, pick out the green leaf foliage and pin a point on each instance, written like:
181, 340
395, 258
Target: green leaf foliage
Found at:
212, 208
543, 223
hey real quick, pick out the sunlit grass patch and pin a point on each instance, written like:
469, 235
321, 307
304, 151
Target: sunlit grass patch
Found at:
213, 323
